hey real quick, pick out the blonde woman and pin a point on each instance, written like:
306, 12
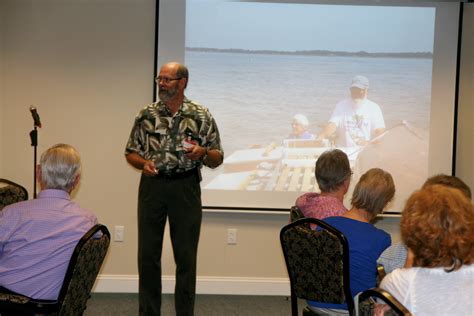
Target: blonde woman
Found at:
372, 193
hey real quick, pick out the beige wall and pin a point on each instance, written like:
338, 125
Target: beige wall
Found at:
87, 66
2, 27
465, 145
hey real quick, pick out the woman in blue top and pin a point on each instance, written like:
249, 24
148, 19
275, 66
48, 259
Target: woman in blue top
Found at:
366, 242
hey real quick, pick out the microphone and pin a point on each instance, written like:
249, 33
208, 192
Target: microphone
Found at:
36, 117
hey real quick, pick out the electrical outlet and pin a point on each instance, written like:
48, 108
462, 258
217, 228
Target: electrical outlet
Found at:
231, 236
119, 231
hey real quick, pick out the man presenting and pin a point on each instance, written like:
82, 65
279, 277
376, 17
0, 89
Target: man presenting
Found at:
170, 141
355, 120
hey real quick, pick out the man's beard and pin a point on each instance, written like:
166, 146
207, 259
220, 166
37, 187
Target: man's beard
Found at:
358, 101
167, 95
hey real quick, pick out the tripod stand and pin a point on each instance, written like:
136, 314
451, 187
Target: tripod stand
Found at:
34, 143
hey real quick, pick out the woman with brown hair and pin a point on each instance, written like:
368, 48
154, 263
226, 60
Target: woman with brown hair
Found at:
366, 242
438, 228
395, 256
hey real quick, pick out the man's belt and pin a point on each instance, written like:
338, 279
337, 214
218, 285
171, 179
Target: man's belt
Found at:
176, 174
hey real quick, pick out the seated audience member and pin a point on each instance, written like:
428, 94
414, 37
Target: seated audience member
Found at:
437, 226
395, 256
299, 128
37, 237
366, 242
449, 181
333, 174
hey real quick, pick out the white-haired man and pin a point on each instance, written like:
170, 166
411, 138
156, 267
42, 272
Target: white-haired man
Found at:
355, 120
38, 237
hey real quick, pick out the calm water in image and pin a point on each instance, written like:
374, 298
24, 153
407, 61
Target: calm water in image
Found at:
253, 97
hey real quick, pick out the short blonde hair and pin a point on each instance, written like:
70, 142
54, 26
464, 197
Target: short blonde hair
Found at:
373, 191
438, 226
60, 166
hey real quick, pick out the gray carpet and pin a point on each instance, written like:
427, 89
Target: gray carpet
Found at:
127, 304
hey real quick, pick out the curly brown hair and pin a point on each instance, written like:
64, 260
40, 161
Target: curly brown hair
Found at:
438, 227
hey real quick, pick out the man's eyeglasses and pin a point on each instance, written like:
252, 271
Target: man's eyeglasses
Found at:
166, 80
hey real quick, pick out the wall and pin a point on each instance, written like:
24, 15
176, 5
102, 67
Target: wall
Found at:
88, 67
465, 145
2, 27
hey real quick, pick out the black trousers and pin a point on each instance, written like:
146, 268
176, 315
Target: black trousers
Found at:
180, 201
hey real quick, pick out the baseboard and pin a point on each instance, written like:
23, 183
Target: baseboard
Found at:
113, 283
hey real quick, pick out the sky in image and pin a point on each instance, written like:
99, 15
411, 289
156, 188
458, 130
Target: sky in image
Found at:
292, 27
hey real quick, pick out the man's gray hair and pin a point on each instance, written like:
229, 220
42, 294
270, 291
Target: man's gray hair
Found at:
182, 72
60, 166
332, 169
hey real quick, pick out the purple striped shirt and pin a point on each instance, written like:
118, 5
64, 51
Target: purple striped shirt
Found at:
37, 238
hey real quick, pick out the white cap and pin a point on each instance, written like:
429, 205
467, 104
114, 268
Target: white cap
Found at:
301, 119
360, 82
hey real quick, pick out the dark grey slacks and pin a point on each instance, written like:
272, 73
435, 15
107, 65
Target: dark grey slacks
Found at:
180, 201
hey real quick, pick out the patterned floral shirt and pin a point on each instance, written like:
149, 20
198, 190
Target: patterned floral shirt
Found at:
157, 135
318, 206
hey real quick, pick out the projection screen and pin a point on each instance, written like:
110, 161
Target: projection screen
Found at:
266, 68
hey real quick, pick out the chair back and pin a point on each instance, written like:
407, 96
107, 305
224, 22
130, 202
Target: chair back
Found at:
317, 262
296, 214
366, 305
11, 192
81, 273
83, 269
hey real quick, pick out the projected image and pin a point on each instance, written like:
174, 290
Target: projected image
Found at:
285, 82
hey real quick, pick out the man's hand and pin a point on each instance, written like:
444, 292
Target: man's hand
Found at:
149, 168
327, 132
362, 142
214, 157
196, 152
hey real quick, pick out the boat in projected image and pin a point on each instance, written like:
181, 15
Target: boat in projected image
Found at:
288, 167
401, 150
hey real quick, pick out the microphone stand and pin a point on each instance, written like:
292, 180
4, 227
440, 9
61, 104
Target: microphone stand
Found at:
34, 143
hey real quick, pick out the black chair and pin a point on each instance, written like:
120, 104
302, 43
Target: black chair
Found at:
81, 273
296, 214
318, 264
366, 304
11, 192
380, 273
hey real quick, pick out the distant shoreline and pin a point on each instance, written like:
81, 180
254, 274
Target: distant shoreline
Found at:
420, 55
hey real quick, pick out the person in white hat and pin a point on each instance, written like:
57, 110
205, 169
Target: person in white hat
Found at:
299, 127
355, 120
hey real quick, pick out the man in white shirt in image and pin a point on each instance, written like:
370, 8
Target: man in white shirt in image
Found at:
355, 120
